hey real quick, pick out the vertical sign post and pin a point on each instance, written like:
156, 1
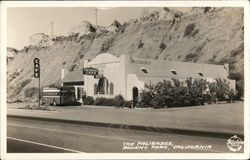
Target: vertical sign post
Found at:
37, 75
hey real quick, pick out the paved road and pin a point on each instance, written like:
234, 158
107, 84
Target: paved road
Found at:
34, 136
225, 118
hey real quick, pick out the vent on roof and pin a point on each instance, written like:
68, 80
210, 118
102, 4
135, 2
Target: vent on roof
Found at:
201, 74
174, 72
144, 70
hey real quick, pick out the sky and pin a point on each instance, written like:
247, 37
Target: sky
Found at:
23, 22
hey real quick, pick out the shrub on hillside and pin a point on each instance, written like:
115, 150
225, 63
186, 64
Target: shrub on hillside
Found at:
92, 29
123, 27
140, 44
191, 57
166, 9
72, 67
22, 85
116, 24
81, 56
206, 9
195, 32
30, 92
107, 44
25, 82
189, 29
162, 46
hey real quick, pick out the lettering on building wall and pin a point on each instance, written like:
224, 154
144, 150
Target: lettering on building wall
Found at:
138, 61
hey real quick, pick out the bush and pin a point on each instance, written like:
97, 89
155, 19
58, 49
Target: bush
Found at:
140, 44
162, 46
239, 77
72, 67
195, 32
24, 83
127, 103
206, 9
107, 44
221, 90
88, 100
123, 27
193, 92
116, 24
81, 56
102, 101
118, 100
190, 57
166, 9
189, 29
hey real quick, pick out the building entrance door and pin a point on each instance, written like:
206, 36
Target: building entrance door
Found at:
135, 96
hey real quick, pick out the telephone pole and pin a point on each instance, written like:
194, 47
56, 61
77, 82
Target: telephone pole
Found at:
96, 17
52, 23
52, 32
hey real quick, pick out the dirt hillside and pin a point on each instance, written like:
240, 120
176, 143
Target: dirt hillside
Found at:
201, 35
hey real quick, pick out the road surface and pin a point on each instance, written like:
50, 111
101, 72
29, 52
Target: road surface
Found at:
35, 136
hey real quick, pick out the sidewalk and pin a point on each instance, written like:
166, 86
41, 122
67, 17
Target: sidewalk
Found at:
218, 118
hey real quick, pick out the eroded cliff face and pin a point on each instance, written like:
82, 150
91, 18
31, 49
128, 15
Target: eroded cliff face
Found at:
201, 35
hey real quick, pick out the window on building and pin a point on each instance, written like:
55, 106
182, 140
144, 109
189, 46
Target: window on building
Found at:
103, 84
174, 72
201, 74
144, 70
95, 89
111, 88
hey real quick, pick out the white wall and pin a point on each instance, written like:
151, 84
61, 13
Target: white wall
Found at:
113, 69
133, 81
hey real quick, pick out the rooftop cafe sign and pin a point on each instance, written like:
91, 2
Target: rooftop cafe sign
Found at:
90, 71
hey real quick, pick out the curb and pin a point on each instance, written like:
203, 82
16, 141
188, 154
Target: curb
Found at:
222, 135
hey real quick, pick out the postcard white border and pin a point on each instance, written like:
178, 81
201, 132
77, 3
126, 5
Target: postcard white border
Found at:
5, 5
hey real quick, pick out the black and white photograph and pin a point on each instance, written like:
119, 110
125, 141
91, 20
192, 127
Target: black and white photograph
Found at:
124, 80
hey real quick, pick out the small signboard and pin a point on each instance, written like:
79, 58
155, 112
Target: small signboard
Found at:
98, 76
90, 71
36, 68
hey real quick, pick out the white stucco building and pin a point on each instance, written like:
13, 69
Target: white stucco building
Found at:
127, 76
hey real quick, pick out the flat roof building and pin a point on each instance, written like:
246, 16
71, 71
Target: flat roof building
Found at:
107, 75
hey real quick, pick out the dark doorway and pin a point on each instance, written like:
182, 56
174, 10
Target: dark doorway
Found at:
135, 96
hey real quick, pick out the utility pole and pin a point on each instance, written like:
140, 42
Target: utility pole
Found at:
96, 17
52, 33
52, 23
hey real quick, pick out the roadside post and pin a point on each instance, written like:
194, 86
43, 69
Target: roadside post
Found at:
37, 75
